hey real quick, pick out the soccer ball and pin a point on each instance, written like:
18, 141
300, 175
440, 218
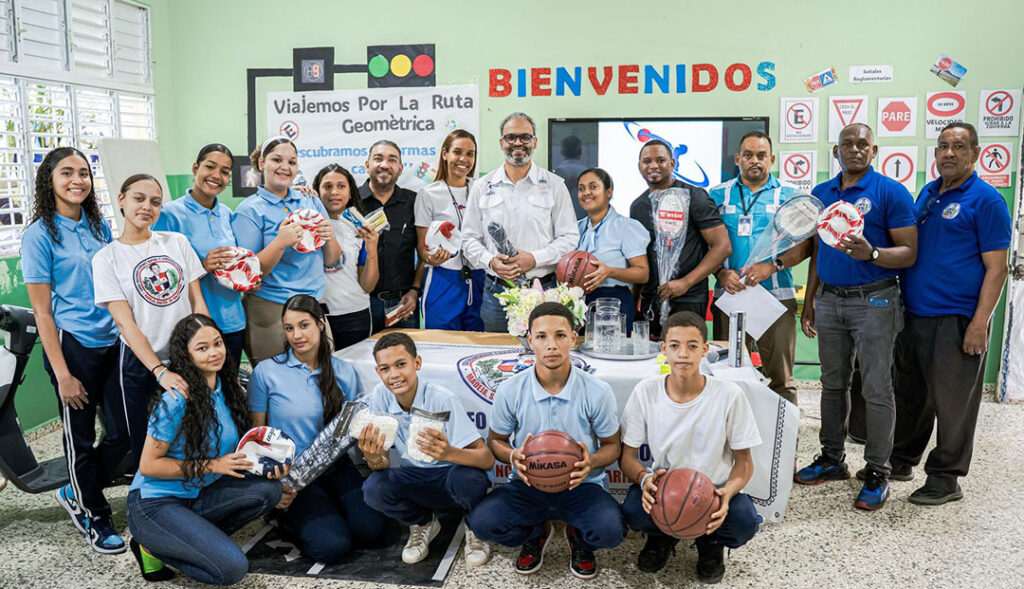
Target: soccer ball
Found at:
267, 448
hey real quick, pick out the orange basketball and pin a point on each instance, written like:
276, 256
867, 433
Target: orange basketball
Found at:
574, 266
683, 503
550, 459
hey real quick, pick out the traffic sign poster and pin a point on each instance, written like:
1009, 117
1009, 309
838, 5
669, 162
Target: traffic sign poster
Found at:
999, 113
897, 117
931, 168
900, 164
941, 109
799, 118
843, 111
994, 164
798, 169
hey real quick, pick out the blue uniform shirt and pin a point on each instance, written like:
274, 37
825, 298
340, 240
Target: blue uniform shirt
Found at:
256, 222
954, 229
885, 204
285, 389
430, 397
164, 424
67, 268
585, 409
614, 240
731, 198
207, 230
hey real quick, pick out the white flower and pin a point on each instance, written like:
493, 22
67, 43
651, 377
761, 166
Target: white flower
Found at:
576, 292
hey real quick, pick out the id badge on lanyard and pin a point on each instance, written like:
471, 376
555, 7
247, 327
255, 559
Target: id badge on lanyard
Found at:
746, 226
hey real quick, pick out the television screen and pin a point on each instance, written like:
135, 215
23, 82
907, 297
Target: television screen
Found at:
704, 149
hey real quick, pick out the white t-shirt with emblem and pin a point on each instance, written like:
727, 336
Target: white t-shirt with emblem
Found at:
700, 434
153, 277
343, 294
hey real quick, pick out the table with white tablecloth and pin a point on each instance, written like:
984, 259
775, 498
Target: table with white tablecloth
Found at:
472, 365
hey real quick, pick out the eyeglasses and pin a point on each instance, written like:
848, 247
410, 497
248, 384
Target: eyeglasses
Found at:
521, 138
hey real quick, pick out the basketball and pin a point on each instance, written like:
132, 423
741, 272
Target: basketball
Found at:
550, 457
574, 266
683, 503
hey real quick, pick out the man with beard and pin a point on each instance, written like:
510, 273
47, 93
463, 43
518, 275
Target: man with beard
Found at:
705, 248
401, 278
747, 204
964, 231
857, 312
519, 220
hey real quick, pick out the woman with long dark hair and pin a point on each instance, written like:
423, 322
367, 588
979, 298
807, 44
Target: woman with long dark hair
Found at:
355, 275
207, 224
147, 280
260, 225
190, 493
453, 287
299, 392
79, 338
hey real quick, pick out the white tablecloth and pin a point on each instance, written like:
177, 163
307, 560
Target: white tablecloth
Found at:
474, 370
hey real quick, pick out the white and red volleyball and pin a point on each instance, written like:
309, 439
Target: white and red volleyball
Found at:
267, 448
308, 219
841, 219
443, 234
242, 274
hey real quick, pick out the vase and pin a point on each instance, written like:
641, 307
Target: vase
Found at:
525, 343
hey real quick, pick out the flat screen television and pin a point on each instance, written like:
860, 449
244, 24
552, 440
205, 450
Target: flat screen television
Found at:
704, 149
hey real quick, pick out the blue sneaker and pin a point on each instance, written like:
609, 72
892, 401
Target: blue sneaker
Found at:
822, 470
66, 497
103, 538
873, 494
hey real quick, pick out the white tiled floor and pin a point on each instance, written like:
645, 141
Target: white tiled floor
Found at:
976, 542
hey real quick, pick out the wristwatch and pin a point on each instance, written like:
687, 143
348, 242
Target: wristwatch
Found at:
779, 264
874, 254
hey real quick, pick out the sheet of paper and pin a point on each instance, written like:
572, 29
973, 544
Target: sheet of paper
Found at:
761, 307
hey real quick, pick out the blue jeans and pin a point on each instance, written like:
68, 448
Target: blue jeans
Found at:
194, 535
411, 495
741, 522
514, 513
349, 328
377, 312
329, 516
491, 311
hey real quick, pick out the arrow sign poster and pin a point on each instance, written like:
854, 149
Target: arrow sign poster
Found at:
798, 169
900, 164
999, 113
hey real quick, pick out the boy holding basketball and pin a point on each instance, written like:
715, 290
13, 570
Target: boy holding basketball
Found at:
553, 395
448, 472
689, 421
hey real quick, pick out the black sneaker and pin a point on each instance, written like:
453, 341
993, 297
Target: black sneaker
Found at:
582, 563
903, 472
710, 562
531, 556
930, 495
823, 469
655, 553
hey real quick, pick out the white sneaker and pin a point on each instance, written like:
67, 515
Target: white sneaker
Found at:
418, 546
477, 551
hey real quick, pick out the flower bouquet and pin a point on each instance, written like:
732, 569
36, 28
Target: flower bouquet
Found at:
519, 302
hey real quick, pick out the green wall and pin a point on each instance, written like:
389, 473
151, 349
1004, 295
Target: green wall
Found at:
202, 49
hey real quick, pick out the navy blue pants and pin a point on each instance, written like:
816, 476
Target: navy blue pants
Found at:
411, 495
626, 303
378, 312
349, 329
328, 518
740, 525
234, 342
516, 512
138, 387
90, 468
452, 303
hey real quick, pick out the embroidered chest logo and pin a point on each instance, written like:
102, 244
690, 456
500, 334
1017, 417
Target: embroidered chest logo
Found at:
158, 279
482, 373
951, 211
863, 205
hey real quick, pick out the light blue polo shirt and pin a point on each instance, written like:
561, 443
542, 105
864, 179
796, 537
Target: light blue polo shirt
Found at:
207, 230
885, 204
164, 424
67, 268
614, 240
954, 229
585, 409
732, 197
430, 397
256, 221
289, 393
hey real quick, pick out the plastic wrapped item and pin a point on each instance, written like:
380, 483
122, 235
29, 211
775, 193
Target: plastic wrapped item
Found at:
670, 209
308, 219
385, 423
325, 449
422, 420
266, 448
242, 274
443, 234
376, 219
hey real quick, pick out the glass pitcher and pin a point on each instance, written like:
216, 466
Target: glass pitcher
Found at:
602, 330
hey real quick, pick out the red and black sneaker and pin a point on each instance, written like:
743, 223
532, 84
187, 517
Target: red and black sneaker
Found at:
582, 563
531, 556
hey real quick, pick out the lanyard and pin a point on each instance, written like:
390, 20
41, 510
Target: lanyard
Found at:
593, 233
455, 203
743, 200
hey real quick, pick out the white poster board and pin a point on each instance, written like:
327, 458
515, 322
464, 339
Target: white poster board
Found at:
121, 158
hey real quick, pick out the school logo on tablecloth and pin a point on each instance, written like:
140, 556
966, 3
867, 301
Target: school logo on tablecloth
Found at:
483, 373
158, 280
951, 211
863, 205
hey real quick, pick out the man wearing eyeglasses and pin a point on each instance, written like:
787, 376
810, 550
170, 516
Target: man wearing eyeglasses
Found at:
963, 234
519, 220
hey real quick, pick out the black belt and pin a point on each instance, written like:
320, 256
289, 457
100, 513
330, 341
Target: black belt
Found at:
388, 295
862, 290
